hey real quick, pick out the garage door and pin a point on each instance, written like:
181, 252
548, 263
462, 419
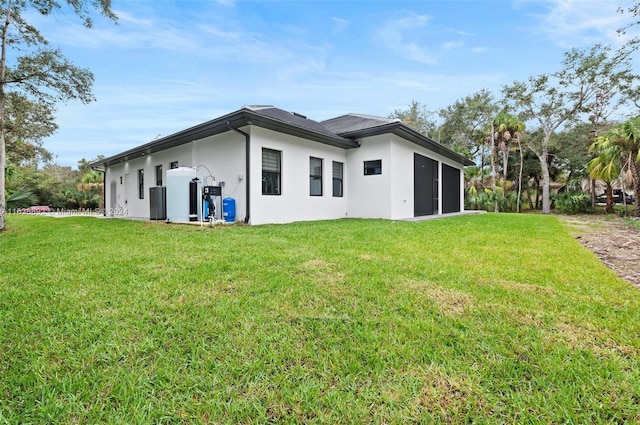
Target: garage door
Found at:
425, 185
450, 189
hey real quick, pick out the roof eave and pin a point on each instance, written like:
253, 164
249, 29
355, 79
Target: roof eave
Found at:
237, 119
408, 133
200, 131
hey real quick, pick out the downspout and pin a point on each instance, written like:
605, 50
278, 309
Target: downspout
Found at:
247, 181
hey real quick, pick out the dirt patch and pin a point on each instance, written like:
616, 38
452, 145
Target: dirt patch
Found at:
613, 240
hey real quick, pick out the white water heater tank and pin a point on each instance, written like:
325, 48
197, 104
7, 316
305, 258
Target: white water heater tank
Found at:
178, 180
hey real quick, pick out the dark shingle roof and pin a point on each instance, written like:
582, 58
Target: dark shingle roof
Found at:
292, 118
355, 126
354, 122
340, 131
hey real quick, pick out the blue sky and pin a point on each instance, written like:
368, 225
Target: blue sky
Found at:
169, 65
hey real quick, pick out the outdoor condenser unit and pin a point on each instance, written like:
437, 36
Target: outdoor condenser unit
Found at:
158, 203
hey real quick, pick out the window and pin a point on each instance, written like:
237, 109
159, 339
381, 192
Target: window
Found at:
337, 179
373, 167
158, 175
315, 176
173, 165
140, 184
271, 166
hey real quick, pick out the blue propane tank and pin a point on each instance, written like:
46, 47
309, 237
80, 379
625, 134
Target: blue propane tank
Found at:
229, 209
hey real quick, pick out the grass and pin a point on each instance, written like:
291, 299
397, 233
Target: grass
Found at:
471, 319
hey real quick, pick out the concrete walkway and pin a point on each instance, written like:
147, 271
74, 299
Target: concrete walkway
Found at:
436, 216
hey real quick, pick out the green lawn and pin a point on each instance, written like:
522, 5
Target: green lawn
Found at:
470, 319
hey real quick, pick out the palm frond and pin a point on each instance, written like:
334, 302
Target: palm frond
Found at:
20, 198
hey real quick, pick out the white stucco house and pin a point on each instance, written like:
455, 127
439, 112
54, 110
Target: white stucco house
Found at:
279, 166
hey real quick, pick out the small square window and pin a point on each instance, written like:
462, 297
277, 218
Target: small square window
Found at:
173, 165
373, 167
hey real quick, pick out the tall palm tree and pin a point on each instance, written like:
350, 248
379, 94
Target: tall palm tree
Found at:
626, 138
605, 166
505, 127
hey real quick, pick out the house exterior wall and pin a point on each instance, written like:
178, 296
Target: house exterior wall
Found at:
402, 194
223, 156
389, 195
220, 157
125, 178
295, 202
370, 196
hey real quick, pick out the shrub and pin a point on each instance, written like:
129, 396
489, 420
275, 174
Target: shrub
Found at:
572, 202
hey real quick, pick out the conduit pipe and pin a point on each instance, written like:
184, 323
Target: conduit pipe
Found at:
247, 181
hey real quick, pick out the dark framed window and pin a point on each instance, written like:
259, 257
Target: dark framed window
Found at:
158, 175
373, 167
338, 169
141, 184
173, 165
271, 171
315, 176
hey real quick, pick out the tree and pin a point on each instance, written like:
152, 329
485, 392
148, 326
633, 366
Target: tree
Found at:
27, 123
38, 72
553, 100
605, 167
634, 11
91, 187
465, 125
505, 127
623, 141
417, 117
83, 163
572, 153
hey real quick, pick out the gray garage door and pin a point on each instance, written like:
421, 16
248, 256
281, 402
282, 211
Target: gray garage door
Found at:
425, 185
450, 189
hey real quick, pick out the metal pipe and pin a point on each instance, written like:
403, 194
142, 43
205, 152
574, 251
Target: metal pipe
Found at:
247, 180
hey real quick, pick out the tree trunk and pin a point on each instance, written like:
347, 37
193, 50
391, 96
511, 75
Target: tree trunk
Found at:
505, 160
494, 165
635, 170
3, 199
520, 175
609, 191
546, 182
3, 149
593, 193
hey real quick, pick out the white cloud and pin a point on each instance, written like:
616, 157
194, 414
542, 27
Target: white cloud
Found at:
340, 24
578, 23
219, 33
451, 45
397, 35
